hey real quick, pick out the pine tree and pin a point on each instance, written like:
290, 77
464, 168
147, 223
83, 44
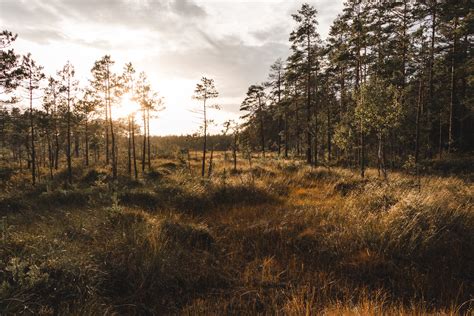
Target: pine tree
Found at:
205, 90
33, 77
304, 40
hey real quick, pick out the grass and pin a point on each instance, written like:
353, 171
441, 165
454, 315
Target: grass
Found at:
277, 238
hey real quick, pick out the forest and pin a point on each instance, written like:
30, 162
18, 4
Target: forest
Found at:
345, 187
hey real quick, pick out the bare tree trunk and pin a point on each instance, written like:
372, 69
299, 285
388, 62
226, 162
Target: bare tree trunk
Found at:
50, 155
262, 133
129, 149
32, 127
209, 173
453, 89
148, 138
86, 138
203, 169
107, 158
287, 132
234, 152
381, 156
144, 141
431, 76
133, 149
76, 144
68, 149
362, 151
112, 134
329, 132
418, 116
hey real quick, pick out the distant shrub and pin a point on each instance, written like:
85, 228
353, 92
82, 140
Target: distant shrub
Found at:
193, 236
171, 166
240, 194
346, 186
65, 198
13, 204
6, 174
290, 167
260, 172
93, 176
459, 166
139, 198
321, 174
154, 175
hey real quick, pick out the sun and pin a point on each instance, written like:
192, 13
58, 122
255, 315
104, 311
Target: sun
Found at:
127, 106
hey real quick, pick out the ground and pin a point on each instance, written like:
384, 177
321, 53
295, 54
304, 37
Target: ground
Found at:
274, 237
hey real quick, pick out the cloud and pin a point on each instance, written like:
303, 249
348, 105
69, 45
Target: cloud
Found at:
187, 8
161, 16
232, 41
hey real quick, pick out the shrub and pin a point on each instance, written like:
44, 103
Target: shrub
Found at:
346, 186
154, 175
65, 198
155, 263
6, 174
427, 231
240, 194
93, 176
13, 204
193, 236
143, 199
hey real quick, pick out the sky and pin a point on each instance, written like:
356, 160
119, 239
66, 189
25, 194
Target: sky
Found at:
175, 42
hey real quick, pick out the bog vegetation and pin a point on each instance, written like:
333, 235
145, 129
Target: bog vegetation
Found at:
346, 189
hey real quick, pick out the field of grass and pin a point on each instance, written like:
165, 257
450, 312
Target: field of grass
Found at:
276, 237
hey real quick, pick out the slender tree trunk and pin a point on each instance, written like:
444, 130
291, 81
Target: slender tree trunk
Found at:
287, 132
380, 156
440, 141
68, 153
316, 126
430, 77
262, 130
298, 128
362, 150
144, 141
133, 149
107, 158
203, 169
56, 151
129, 149
329, 130
418, 116
112, 133
32, 127
452, 100
76, 144
148, 138
280, 119
50, 154
234, 152
86, 137
308, 106
209, 173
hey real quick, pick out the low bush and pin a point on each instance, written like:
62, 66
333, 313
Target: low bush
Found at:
139, 198
77, 197
346, 186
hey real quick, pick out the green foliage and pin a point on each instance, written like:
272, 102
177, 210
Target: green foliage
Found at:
377, 107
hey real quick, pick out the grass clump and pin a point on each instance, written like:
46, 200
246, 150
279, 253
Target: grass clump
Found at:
141, 198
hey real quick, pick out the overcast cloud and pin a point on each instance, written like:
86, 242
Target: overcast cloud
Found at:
174, 41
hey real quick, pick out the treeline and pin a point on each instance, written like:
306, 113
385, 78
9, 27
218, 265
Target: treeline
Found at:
170, 145
393, 82
66, 121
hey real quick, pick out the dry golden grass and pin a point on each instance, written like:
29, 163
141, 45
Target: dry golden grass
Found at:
277, 237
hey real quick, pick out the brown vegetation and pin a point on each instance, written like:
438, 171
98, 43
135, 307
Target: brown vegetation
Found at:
278, 238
